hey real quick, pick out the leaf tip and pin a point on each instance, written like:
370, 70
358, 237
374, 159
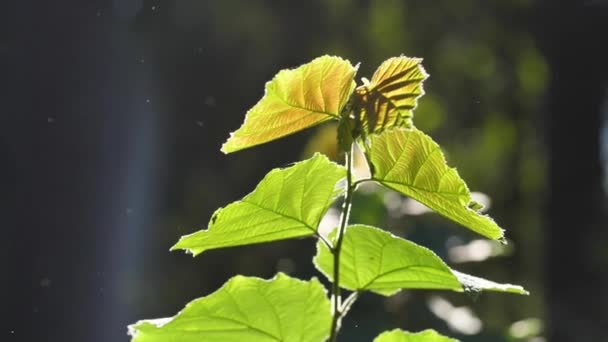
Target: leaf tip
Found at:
180, 245
176, 246
227, 146
517, 289
502, 239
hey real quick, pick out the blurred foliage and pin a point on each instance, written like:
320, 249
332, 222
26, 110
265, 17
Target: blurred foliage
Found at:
480, 105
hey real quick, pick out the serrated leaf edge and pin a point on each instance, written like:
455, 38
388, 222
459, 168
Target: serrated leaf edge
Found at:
323, 157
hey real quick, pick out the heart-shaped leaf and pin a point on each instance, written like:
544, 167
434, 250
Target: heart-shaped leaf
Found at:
247, 309
295, 100
288, 203
410, 162
374, 260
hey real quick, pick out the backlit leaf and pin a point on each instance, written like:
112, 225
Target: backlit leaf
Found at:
294, 100
399, 335
388, 100
374, 260
287, 203
410, 162
247, 309
475, 284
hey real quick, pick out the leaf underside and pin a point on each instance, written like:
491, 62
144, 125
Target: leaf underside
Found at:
399, 335
295, 100
476, 284
410, 162
287, 203
377, 261
247, 309
391, 96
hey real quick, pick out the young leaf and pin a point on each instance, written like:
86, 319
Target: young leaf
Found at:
375, 260
288, 203
294, 100
399, 335
389, 99
247, 309
410, 162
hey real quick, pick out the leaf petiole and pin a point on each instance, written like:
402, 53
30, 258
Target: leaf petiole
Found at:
349, 301
326, 242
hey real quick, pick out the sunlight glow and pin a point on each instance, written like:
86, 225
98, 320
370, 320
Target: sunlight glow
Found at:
459, 319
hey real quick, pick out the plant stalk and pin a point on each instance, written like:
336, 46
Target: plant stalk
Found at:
335, 289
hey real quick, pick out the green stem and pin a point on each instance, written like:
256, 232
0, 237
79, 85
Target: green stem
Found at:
349, 301
335, 289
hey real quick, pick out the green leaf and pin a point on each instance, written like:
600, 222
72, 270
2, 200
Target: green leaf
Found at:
475, 284
247, 309
374, 260
388, 100
288, 203
410, 162
295, 100
399, 335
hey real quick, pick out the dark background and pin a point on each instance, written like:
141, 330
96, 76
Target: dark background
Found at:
112, 114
